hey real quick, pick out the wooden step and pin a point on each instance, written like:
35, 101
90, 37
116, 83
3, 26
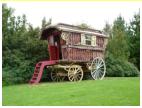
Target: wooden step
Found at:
34, 78
37, 67
39, 71
36, 72
35, 75
39, 64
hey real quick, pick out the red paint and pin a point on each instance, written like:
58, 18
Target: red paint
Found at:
53, 48
39, 71
54, 52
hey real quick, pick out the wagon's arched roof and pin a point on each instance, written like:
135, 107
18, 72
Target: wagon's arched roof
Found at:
73, 28
66, 27
78, 27
51, 30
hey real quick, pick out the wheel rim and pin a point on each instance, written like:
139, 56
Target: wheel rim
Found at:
98, 68
57, 77
75, 73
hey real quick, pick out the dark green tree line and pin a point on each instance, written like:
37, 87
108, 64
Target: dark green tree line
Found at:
21, 46
134, 40
118, 52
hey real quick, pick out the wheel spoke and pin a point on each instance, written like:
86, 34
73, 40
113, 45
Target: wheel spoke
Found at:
78, 77
101, 74
79, 74
96, 77
72, 78
63, 78
98, 74
100, 62
55, 79
93, 74
94, 71
100, 65
78, 71
71, 75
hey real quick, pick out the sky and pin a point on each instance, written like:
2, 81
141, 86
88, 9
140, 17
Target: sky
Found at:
95, 14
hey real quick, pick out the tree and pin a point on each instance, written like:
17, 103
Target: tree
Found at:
117, 52
134, 38
45, 23
6, 17
108, 30
22, 48
83, 26
117, 46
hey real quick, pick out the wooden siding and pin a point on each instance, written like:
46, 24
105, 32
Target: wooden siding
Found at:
80, 54
73, 50
74, 38
100, 42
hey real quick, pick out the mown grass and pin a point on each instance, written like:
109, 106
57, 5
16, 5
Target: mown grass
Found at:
107, 92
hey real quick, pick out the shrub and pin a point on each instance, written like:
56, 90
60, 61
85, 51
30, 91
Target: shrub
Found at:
120, 68
16, 75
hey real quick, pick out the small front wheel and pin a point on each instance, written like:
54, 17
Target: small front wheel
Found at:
75, 73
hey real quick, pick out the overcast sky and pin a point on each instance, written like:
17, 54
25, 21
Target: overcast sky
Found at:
94, 14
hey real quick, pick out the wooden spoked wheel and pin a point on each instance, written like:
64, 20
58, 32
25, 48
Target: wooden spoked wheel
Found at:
57, 76
75, 73
98, 68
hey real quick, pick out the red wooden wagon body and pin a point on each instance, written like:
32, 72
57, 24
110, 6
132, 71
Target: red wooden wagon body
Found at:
73, 49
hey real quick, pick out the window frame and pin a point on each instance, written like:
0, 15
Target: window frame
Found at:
91, 39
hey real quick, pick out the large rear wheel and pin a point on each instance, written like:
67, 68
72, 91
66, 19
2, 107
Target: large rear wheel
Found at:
98, 68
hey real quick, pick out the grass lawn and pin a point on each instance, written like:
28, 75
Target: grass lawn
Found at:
107, 92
